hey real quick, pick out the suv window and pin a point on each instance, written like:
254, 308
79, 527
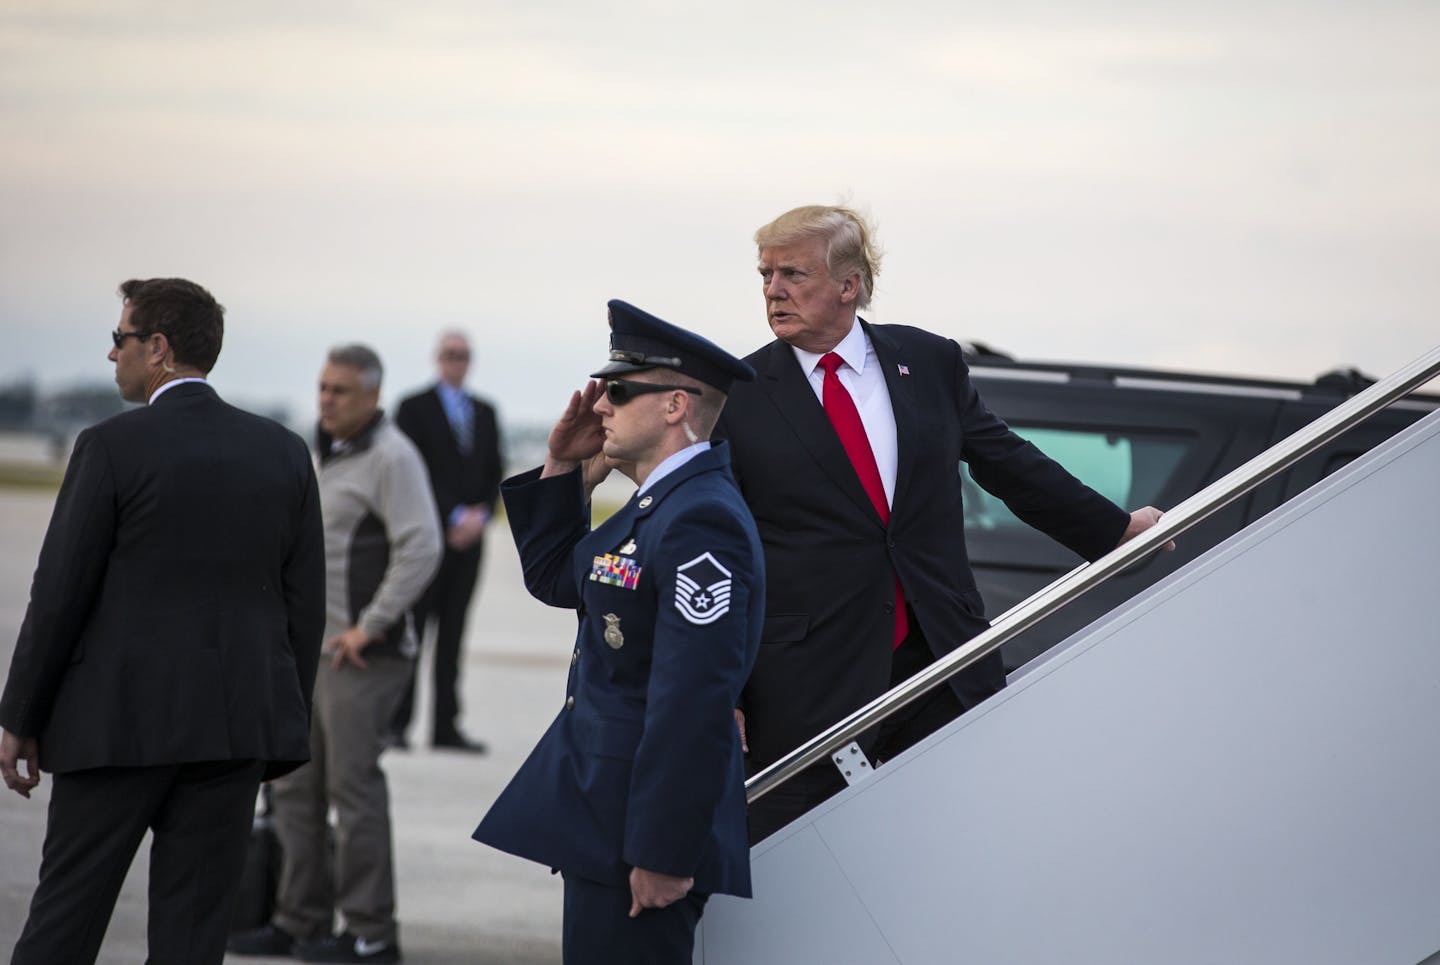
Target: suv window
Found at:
1129, 468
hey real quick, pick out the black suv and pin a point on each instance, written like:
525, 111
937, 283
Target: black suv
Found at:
1144, 437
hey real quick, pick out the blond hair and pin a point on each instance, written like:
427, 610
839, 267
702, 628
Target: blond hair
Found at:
849, 242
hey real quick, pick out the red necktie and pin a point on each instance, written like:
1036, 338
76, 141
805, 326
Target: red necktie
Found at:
846, 420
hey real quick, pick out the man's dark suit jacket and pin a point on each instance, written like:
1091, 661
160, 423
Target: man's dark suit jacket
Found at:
179, 601
457, 478
830, 562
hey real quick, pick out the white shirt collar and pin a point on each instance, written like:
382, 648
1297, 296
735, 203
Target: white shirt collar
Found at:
851, 349
673, 462
170, 385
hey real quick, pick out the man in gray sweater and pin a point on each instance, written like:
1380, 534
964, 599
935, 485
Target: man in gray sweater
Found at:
381, 549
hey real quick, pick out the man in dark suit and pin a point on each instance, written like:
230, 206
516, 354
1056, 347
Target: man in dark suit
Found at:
459, 439
848, 448
636, 792
165, 664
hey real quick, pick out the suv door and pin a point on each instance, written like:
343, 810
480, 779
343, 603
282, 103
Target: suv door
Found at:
1138, 444
1336, 455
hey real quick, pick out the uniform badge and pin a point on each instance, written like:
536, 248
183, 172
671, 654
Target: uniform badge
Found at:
628, 549
646, 501
615, 570
702, 590
613, 636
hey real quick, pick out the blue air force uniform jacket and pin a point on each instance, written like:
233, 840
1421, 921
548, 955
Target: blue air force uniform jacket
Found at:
642, 765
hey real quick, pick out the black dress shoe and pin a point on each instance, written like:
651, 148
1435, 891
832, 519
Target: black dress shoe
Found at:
456, 741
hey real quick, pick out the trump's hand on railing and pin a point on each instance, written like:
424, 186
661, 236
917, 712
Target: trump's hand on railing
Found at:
1141, 520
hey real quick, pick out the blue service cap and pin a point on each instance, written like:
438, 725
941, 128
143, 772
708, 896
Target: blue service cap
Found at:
639, 341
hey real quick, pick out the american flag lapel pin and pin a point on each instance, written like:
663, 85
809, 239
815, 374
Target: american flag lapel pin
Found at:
904, 369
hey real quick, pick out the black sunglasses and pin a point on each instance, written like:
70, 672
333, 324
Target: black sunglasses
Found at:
621, 391
119, 337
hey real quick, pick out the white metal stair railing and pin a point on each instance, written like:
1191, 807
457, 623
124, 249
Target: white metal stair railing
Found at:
1233, 765
1084, 578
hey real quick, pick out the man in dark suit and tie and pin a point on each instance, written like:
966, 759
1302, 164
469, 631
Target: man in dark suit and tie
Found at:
848, 448
165, 664
459, 439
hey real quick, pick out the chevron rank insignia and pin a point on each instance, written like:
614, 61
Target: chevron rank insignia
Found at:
702, 590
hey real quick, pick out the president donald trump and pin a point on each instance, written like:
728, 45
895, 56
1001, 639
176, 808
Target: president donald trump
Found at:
848, 448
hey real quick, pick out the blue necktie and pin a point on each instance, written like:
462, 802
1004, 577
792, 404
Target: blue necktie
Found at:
462, 423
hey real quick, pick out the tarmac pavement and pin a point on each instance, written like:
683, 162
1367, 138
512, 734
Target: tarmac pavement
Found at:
459, 901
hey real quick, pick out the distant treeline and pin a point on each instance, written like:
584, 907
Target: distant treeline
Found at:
24, 408
61, 413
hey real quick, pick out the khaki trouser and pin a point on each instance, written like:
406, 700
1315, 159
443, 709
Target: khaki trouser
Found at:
352, 712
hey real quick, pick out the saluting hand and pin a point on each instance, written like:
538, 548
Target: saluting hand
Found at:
13, 750
577, 436
651, 889
578, 439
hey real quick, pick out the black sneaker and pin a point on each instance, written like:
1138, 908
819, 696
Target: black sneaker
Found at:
267, 940
346, 947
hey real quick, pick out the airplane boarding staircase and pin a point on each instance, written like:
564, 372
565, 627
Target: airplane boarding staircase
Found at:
1240, 765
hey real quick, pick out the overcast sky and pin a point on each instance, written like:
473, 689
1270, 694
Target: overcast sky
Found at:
1246, 187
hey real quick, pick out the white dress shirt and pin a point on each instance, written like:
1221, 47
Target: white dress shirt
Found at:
671, 463
170, 385
863, 379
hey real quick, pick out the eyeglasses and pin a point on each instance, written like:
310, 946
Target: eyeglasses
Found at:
621, 391
119, 337
451, 355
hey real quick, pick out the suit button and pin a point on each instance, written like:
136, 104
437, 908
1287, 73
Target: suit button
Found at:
569, 703
575, 658
889, 608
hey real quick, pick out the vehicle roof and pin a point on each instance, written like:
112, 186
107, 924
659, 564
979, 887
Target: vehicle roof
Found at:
986, 362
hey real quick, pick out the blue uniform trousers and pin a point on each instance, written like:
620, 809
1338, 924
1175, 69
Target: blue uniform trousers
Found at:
598, 929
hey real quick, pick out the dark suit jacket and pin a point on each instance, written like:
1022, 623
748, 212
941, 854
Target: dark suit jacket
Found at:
179, 601
642, 766
828, 638
456, 478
